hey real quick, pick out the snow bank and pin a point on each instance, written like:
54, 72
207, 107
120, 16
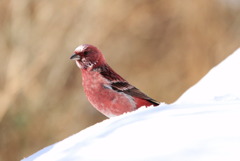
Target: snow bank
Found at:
202, 125
221, 84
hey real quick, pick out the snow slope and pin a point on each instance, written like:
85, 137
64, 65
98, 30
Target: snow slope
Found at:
221, 84
202, 125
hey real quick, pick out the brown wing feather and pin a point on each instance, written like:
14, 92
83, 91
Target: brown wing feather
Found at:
119, 84
132, 91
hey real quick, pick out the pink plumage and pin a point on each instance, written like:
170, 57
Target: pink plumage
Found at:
107, 91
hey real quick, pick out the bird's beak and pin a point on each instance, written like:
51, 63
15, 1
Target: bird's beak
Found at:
75, 57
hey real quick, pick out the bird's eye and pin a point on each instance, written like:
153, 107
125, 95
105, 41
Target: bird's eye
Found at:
85, 52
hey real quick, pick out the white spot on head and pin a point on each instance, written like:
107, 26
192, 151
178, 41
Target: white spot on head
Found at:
80, 48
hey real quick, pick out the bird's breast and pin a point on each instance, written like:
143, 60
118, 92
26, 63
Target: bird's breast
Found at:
103, 97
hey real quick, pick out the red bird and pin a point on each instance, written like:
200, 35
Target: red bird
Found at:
107, 91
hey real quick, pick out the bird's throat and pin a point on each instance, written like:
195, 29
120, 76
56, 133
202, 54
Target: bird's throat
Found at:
79, 64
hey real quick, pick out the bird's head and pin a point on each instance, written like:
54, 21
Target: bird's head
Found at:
87, 56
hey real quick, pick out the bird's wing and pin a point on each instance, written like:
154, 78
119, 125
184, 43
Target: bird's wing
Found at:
120, 85
127, 88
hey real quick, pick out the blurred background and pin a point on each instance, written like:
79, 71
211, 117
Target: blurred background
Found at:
162, 47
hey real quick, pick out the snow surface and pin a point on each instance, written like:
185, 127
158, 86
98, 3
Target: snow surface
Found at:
221, 84
203, 124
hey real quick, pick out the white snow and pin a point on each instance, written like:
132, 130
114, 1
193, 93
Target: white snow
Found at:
202, 125
221, 84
